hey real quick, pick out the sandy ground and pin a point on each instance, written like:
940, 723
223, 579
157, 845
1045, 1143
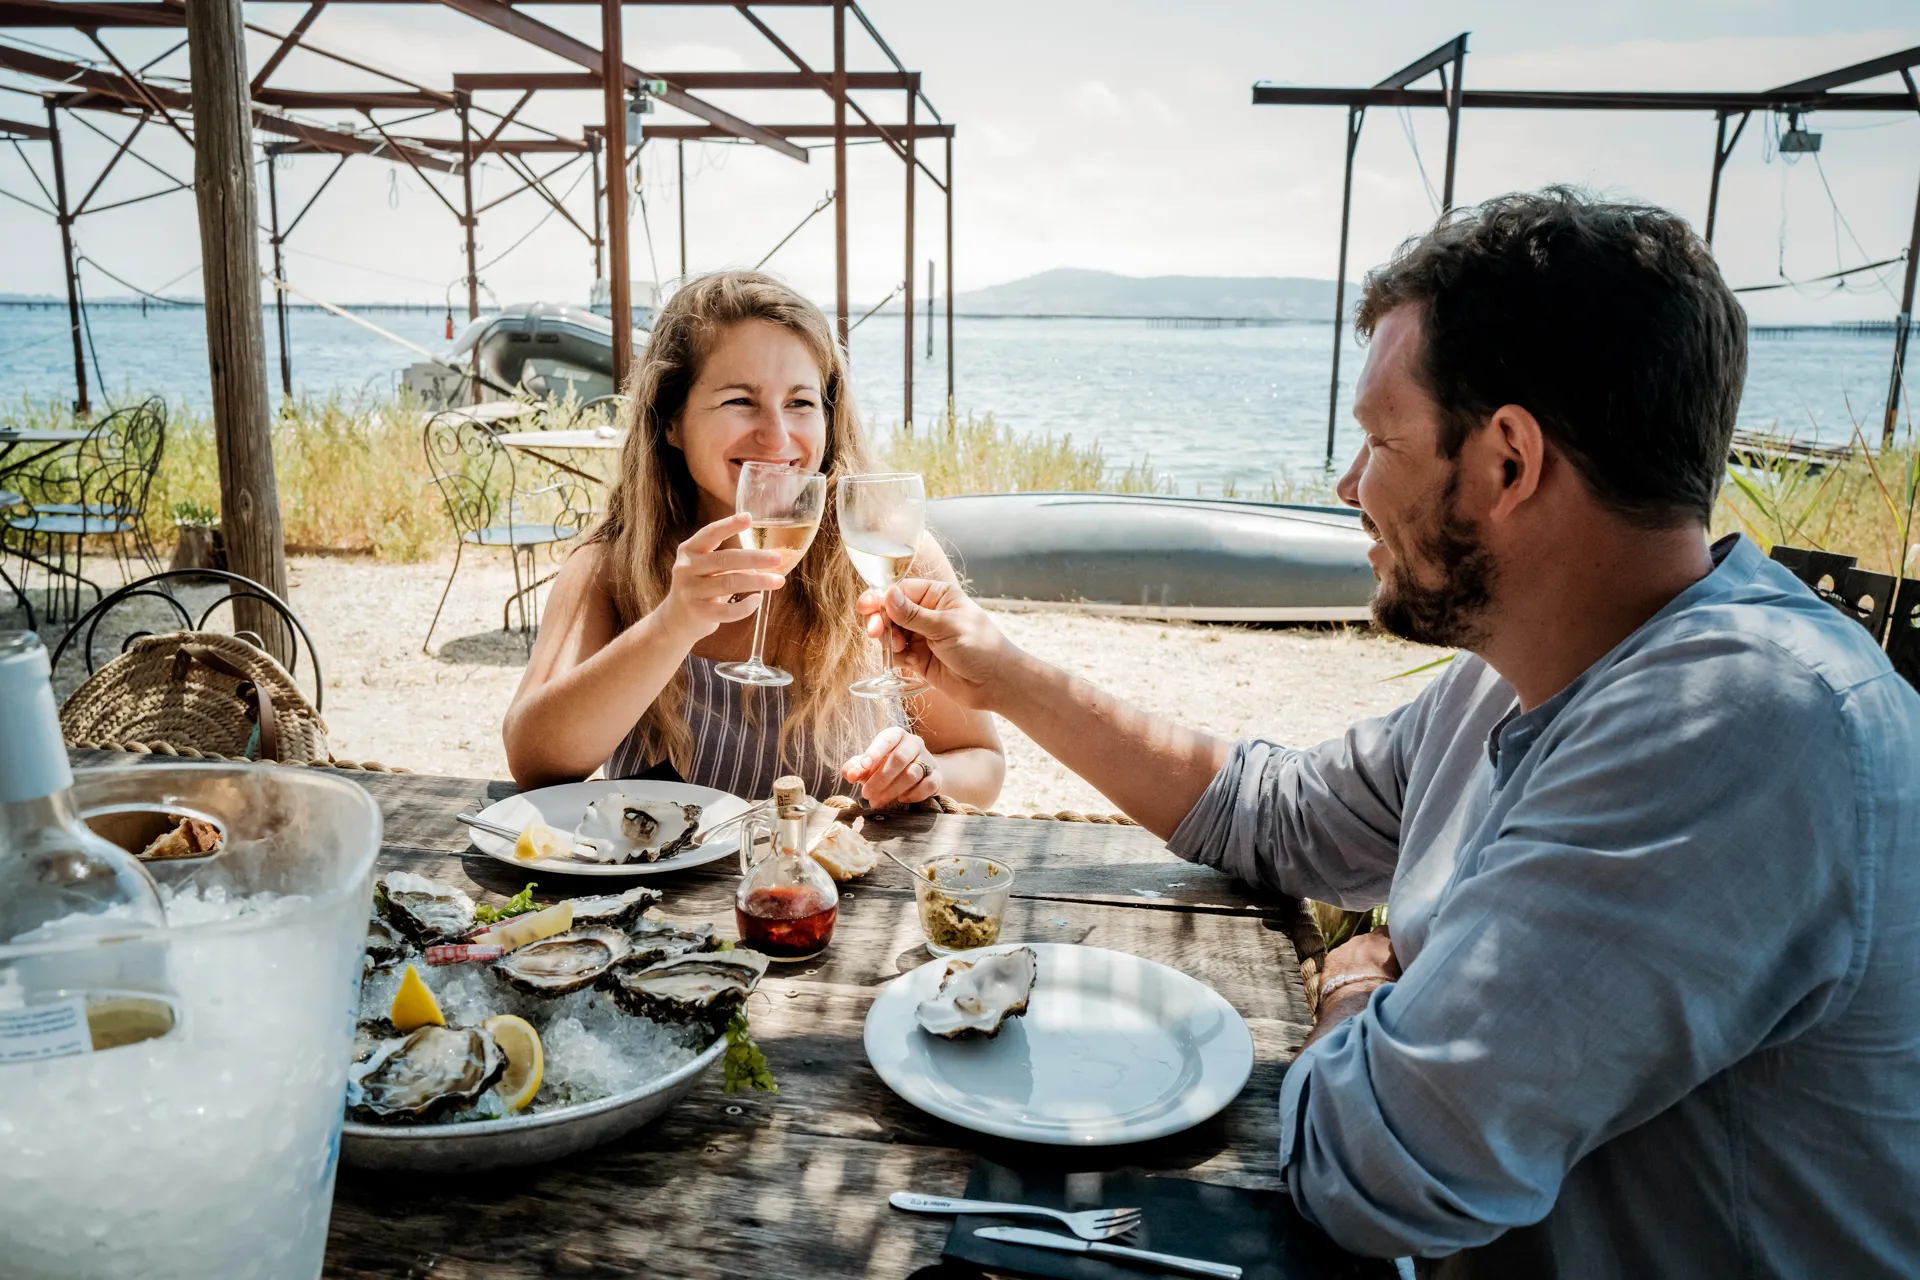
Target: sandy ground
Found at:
439, 712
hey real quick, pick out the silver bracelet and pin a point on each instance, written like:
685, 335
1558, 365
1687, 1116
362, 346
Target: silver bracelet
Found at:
1334, 984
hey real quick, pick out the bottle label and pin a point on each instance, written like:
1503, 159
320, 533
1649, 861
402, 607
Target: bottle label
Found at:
41, 1031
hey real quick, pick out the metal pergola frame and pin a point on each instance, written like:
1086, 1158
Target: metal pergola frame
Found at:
123, 91
1798, 99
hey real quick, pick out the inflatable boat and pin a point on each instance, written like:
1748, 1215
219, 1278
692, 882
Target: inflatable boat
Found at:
1146, 556
547, 348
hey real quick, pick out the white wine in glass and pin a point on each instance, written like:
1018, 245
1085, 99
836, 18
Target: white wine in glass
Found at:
881, 519
786, 504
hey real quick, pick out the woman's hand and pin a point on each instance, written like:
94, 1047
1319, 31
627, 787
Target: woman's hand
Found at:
714, 586
896, 768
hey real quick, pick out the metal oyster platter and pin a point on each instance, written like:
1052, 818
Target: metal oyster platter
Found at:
515, 1140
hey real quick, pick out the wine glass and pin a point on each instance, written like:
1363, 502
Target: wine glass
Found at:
786, 504
881, 518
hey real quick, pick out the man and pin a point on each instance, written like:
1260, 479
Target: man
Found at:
1650, 844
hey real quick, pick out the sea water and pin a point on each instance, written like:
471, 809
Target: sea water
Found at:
1206, 407
210, 1151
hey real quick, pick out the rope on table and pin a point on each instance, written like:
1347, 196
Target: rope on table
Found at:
947, 804
194, 753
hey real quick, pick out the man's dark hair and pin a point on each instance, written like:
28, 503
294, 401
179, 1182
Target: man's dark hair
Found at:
1608, 322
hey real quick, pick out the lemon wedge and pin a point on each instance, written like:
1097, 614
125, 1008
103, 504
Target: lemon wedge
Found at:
413, 1005
521, 930
525, 1061
541, 841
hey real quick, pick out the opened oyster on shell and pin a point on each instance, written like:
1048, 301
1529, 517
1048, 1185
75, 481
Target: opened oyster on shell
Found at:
386, 946
622, 828
657, 940
428, 1073
705, 988
423, 911
613, 910
977, 996
564, 963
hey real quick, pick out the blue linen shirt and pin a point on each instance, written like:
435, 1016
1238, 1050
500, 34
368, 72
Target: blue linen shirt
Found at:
1660, 936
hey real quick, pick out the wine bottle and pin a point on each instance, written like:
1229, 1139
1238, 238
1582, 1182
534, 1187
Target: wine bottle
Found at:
77, 973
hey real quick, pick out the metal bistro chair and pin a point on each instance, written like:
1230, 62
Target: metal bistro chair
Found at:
99, 489
481, 483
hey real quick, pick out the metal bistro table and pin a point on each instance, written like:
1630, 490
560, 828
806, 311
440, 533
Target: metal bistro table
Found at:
544, 445
794, 1184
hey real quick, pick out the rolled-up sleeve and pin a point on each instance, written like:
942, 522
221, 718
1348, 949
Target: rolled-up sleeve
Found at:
1317, 822
1673, 891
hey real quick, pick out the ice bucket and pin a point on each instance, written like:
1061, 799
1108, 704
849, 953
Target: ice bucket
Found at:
209, 1151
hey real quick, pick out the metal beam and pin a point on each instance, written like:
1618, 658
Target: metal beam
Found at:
906, 284
1722, 151
505, 18
1903, 323
275, 240
1452, 51
49, 13
799, 132
1856, 73
743, 80
839, 91
71, 269
17, 129
307, 100
1356, 116
1453, 117
819, 81
1265, 95
280, 52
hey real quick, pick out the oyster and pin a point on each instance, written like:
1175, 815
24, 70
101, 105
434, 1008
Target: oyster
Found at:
564, 963
977, 996
417, 1077
614, 910
657, 940
385, 946
368, 1036
622, 828
705, 988
424, 911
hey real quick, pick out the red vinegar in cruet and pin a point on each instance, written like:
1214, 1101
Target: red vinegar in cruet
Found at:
787, 904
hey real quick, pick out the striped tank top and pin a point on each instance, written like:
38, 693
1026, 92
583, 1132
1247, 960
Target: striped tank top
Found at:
732, 754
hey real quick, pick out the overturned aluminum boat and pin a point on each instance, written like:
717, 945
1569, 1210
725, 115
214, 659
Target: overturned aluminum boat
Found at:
1151, 556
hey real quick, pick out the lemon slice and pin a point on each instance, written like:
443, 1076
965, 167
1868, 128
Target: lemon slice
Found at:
525, 1061
521, 930
413, 1005
541, 841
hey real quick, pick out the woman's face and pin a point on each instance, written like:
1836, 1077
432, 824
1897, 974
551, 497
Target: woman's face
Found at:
757, 399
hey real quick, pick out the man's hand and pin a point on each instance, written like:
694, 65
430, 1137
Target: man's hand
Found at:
1349, 976
941, 634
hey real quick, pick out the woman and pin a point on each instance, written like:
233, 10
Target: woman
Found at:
739, 368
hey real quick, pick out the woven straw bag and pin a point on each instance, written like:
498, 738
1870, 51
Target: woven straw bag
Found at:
198, 689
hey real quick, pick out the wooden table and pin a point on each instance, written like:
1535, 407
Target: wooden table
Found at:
794, 1184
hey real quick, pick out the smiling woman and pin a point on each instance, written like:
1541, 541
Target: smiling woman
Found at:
739, 369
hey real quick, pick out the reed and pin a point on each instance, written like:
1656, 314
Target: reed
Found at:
1864, 507
976, 454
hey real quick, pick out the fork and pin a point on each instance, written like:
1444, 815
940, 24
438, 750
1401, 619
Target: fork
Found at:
1088, 1224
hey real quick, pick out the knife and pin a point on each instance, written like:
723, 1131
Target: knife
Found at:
1067, 1244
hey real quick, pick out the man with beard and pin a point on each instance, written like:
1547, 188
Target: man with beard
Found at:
1651, 844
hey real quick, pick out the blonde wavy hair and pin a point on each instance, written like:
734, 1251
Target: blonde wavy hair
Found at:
654, 506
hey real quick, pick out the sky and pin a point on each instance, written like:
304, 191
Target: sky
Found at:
1110, 134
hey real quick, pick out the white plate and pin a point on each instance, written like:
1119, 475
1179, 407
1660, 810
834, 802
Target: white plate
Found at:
563, 807
1112, 1049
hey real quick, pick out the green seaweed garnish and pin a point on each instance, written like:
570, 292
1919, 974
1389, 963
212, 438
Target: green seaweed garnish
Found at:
745, 1067
518, 905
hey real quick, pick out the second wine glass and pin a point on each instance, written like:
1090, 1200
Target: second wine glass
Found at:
881, 519
786, 505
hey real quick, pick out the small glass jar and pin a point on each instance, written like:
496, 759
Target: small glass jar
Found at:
965, 903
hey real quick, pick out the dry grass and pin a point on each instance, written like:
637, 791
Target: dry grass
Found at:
1864, 507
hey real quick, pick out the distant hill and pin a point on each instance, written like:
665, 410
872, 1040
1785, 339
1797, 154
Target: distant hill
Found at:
1075, 291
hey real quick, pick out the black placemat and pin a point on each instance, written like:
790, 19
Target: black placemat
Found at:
1259, 1231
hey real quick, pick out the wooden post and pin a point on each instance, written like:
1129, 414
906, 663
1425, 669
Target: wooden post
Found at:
906, 308
279, 273
236, 346
613, 83
840, 171
680, 158
929, 308
70, 269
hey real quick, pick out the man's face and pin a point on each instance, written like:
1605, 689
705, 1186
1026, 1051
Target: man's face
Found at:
1436, 577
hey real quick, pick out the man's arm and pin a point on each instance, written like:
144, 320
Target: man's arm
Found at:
1155, 771
1674, 893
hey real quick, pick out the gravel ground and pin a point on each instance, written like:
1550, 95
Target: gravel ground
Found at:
440, 712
